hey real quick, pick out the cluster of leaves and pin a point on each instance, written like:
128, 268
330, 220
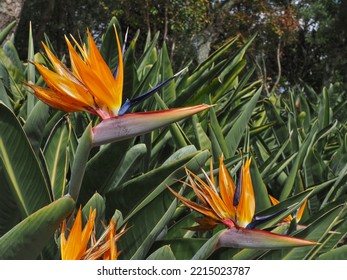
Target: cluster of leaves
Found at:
298, 150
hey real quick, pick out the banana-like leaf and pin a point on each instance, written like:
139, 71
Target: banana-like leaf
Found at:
149, 57
318, 231
234, 136
130, 125
304, 149
144, 228
12, 53
56, 155
35, 124
159, 227
109, 48
100, 168
80, 161
14, 72
31, 71
4, 32
24, 178
182, 248
126, 166
131, 82
202, 140
96, 202
134, 192
335, 254
9, 212
163, 253
209, 246
260, 191
27, 239
3, 94
169, 92
324, 110
218, 134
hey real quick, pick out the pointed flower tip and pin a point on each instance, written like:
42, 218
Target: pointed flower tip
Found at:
259, 239
183, 71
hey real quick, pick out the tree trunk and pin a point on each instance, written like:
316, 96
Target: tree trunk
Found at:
10, 11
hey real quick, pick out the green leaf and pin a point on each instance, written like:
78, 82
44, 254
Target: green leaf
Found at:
31, 71
56, 155
175, 129
155, 199
204, 67
235, 134
316, 231
324, 110
335, 254
131, 81
4, 32
27, 239
12, 53
144, 247
209, 247
35, 124
9, 212
148, 58
3, 94
109, 49
218, 133
168, 92
24, 178
126, 166
14, 72
260, 191
203, 141
303, 150
182, 248
80, 161
96, 202
163, 253
100, 168
134, 192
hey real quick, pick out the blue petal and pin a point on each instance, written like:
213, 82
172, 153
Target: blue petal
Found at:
261, 219
128, 104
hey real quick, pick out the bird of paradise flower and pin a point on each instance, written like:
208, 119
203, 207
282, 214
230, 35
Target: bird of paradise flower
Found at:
91, 86
81, 244
234, 206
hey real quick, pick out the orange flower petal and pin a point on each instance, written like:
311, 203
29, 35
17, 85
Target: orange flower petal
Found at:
301, 211
274, 201
203, 210
246, 207
76, 244
59, 100
226, 187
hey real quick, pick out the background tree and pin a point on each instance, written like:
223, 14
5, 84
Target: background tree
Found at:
298, 41
10, 11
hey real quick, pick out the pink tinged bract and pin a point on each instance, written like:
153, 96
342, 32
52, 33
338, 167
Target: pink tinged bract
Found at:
259, 239
129, 125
